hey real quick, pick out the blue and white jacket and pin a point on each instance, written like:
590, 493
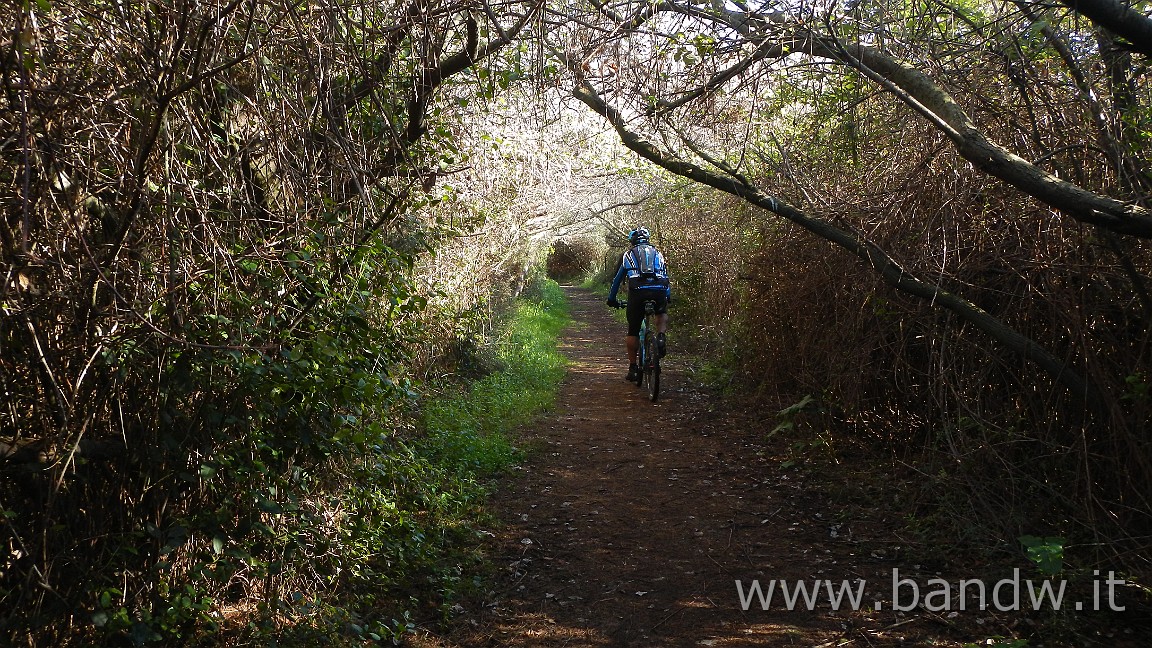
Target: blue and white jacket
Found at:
636, 258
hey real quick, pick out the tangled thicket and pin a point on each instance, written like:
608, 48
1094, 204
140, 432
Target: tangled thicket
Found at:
222, 248
215, 303
821, 114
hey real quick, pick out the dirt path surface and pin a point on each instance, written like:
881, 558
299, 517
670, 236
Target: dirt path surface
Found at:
632, 520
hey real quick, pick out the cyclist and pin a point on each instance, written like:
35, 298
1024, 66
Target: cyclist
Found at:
643, 265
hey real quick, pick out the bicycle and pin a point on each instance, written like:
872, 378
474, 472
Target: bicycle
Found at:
649, 356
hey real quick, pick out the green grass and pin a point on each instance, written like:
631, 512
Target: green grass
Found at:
600, 286
597, 283
471, 431
413, 545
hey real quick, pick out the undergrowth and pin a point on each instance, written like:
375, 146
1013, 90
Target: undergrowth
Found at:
469, 431
410, 510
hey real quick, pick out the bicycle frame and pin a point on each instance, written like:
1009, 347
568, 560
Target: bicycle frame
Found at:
648, 356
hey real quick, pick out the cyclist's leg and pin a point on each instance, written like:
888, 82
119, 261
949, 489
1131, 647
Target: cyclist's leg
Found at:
661, 300
635, 314
632, 344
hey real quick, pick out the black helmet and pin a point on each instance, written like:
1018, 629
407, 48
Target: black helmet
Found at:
638, 236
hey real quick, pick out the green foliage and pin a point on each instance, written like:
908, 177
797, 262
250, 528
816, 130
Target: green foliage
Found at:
469, 430
378, 512
1137, 388
1046, 552
715, 373
788, 415
248, 443
407, 510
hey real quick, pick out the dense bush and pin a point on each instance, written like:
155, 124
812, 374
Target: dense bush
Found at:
912, 271
903, 377
789, 317
218, 308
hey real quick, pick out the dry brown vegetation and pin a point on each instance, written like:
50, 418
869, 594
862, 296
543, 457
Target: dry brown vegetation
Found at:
233, 244
216, 245
1012, 451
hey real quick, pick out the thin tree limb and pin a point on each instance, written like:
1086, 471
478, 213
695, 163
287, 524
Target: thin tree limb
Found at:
888, 268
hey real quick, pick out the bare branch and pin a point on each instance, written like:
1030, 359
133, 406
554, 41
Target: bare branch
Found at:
888, 268
1120, 18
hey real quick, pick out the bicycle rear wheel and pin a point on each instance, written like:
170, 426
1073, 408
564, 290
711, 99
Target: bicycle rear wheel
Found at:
642, 355
654, 383
652, 366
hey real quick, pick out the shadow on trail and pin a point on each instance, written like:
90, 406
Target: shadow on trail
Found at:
632, 520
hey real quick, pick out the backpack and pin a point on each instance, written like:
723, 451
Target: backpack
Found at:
645, 268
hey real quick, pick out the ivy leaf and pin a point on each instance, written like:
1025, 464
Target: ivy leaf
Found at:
268, 506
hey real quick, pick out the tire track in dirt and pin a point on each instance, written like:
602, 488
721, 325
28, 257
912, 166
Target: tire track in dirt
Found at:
631, 520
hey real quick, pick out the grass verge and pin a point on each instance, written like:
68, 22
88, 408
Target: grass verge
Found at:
471, 431
414, 510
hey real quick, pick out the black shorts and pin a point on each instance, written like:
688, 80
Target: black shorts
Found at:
636, 301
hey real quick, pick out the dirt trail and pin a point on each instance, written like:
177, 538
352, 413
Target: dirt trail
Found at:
631, 521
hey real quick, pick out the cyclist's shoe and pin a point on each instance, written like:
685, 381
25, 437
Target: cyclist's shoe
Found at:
633, 373
661, 347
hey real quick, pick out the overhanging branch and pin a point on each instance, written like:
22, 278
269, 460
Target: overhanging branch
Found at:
888, 268
1120, 19
938, 107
